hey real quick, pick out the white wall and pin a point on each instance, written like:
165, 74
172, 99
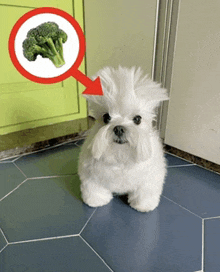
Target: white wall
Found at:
120, 32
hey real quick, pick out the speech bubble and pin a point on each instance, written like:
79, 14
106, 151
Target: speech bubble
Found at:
76, 50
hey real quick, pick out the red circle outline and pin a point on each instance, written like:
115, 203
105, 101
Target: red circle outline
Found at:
24, 18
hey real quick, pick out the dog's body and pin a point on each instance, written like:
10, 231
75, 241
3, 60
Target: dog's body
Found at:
123, 153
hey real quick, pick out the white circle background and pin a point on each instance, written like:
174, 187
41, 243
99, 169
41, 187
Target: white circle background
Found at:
43, 67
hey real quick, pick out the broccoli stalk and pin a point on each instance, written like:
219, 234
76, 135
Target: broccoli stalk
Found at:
56, 58
47, 41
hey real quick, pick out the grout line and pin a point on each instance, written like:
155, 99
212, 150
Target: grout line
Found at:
4, 160
210, 170
6, 240
18, 157
44, 239
87, 221
3, 248
19, 169
182, 207
186, 165
4, 236
96, 253
47, 177
79, 145
39, 150
203, 244
210, 218
13, 190
83, 138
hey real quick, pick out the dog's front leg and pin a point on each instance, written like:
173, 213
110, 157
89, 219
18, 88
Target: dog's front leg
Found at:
145, 199
94, 195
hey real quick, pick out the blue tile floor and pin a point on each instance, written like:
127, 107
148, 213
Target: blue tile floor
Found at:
45, 226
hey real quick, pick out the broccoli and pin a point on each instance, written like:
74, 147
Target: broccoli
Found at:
47, 41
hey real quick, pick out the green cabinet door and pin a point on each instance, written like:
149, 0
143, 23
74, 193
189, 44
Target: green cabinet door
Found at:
25, 104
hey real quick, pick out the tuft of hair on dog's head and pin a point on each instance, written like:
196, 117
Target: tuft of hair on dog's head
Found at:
126, 90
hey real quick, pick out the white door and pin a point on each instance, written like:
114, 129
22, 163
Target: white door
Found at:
193, 121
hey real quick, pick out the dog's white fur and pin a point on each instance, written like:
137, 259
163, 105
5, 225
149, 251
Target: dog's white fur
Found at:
137, 167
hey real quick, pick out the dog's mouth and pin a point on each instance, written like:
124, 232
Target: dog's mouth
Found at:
120, 141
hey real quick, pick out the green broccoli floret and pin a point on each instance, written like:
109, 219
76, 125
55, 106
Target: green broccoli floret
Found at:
47, 41
61, 38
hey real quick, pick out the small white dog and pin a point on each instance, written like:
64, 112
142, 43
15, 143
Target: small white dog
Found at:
123, 154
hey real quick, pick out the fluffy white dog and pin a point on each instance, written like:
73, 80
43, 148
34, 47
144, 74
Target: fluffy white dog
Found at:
123, 154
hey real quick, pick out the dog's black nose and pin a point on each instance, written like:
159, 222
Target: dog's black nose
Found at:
119, 130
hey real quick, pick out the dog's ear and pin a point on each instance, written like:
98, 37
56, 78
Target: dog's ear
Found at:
148, 90
100, 104
159, 94
156, 97
99, 143
96, 105
144, 149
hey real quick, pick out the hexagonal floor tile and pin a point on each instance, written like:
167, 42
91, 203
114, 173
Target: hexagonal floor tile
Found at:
10, 178
167, 239
44, 208
194, 188
68, 254
61, 160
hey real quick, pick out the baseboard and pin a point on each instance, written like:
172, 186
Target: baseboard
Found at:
40, 134
192, 158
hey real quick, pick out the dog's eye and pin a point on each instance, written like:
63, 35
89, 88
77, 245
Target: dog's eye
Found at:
137, 119
106, 118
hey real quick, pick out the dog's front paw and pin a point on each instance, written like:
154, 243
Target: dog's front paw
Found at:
95, 196
96, 201
145, 205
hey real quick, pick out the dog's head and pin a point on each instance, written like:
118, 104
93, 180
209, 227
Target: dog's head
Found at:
124, 114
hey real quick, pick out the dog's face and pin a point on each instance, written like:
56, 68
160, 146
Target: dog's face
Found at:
124, 115
122, 129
